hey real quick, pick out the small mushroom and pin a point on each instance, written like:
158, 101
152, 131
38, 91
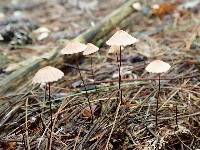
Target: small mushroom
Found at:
157, 66
91, 49
119, 39
48, 75
75, 47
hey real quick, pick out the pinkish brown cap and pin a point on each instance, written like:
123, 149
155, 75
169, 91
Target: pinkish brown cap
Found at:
90, 49
47, 74
157, 66
73, 48
114, 49
121, 38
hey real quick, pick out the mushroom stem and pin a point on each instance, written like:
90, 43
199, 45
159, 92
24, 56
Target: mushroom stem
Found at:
157, 100
119, 67
120, 64
45, 93
120, 56
86, 93
51, 125
118, 92
50, 103
92, 71
45, 96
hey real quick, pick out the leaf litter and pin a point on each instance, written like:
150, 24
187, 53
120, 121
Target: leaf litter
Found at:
135, 124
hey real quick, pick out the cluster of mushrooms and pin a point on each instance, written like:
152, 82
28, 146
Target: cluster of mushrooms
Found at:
117, 43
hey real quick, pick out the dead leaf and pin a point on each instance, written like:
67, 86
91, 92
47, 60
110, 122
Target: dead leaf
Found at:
164, 9
8, 145
96, 110
12, 146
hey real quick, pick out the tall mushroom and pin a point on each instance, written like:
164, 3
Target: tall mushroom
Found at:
91, 49
119, 39
75, 47
158, 67
47, 75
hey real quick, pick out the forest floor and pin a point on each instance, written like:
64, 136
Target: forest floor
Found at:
170, 33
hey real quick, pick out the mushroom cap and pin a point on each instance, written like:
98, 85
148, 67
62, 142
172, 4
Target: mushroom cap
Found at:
73, 48
157, 66
47, 74
90, 49
121, 38
114, 49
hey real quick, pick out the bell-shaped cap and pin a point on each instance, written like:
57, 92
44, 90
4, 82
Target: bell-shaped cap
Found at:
90, 49
73, 47
157, 66
114, 49
47, 74
121, 38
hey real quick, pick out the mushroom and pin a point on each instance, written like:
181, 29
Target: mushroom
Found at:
75, 47
158, 67
47, 75
119, 39
91, 48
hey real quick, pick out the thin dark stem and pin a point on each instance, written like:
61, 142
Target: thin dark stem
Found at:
120, 56
45, 93
118, 92
51, 125
45, 96
92, 71
91, 65
120, 64
119, 81
86, 93
157, 100
119, 68
176, 116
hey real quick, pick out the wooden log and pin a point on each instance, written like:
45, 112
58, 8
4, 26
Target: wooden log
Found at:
18, 77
